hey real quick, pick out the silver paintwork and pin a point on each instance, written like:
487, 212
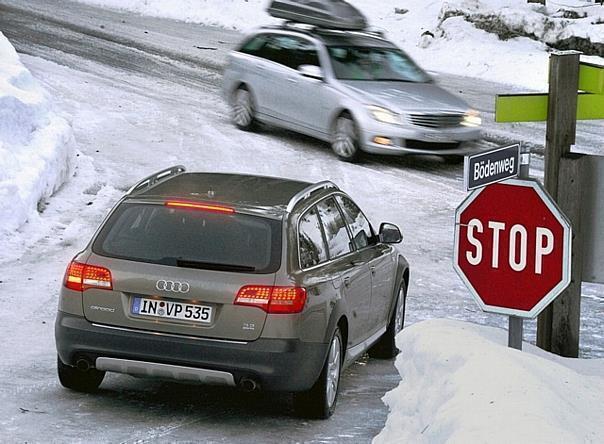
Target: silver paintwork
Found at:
155, 370
292, 99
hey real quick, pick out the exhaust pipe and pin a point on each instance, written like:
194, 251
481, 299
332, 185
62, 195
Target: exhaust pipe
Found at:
248, 385
83, 365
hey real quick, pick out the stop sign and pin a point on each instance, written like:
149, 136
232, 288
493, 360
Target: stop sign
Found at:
512, 247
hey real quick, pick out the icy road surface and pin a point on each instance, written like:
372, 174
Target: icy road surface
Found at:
144, 94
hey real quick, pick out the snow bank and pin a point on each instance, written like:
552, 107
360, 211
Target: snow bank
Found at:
35, 143
476, 38
460, 383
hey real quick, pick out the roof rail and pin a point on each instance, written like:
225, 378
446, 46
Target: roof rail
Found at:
306, 192
156, 178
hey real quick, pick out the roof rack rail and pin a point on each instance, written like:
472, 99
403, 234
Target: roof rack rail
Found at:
306, 192
156, 178
299, 26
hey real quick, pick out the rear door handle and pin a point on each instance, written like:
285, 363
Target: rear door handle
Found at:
292, 80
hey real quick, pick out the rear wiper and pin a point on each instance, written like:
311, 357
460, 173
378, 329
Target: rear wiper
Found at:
213, 266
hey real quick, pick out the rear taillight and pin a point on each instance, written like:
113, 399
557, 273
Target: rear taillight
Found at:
272, 299
80, 277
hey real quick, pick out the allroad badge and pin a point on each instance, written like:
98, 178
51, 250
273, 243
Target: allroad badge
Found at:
172, 286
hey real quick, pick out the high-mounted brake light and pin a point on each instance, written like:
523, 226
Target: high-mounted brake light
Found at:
199, 206
284, 300
80, 277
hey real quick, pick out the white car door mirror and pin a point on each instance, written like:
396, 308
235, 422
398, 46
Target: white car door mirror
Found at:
311, 71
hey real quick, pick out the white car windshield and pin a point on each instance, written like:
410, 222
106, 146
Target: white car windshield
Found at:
378, 64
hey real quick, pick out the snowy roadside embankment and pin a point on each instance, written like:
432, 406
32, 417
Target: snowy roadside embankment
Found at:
36, 145
460, 383
506, 41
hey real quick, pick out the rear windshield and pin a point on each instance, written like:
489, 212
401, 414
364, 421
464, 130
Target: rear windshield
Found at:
191, 238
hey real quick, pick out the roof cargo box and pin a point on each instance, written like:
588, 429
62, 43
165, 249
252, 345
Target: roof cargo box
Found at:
332, 14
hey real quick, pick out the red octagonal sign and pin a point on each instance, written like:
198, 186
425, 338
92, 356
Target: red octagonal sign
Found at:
512, 247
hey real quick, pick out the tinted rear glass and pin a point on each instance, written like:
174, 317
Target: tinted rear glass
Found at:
191, 238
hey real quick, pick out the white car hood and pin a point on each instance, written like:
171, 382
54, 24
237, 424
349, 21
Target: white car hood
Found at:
404, 97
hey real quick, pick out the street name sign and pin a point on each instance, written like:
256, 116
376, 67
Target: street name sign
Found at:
491, 166
512, 247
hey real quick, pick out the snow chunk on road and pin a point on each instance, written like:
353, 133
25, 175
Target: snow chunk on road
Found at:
460, 383
36, 145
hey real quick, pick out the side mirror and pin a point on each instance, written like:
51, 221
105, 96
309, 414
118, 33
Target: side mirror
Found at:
390, 234
311, 71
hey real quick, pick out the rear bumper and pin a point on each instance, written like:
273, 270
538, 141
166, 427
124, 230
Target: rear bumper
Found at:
275, 364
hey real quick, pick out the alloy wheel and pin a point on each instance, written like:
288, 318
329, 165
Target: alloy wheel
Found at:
400, 312
344, 143
333, 370
243, 111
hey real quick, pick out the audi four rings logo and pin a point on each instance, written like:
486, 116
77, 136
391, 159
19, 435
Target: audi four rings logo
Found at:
173, 286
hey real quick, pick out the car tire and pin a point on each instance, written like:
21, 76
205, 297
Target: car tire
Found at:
320, 401
385, 347
243, 112
78, 380
345, 138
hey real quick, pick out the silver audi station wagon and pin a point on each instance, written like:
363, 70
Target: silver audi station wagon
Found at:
248, 281
353, 89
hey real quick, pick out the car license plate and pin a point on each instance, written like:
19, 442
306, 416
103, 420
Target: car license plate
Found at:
161, 308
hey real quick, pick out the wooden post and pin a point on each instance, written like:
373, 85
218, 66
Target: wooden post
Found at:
566, 308
560, 135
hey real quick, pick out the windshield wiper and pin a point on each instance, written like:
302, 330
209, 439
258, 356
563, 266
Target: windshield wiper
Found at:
185, 263
395, 80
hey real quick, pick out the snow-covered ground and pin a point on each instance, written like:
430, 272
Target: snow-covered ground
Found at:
461, 384
506, 41
36, 146
142, 123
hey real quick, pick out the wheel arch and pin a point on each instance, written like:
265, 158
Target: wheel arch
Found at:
402, 276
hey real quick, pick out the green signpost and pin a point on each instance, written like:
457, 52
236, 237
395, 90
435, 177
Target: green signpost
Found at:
576, 92
533, 107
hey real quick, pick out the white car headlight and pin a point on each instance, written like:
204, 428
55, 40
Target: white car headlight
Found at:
383, 114
472, 118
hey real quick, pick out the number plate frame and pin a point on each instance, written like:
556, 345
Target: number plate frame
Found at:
153, 308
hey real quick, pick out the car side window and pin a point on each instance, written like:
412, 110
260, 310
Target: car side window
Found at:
313, 250
254, 45
361, 230
289, 51
334, 226
306, 54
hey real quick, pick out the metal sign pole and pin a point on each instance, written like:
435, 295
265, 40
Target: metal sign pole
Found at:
515, 325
